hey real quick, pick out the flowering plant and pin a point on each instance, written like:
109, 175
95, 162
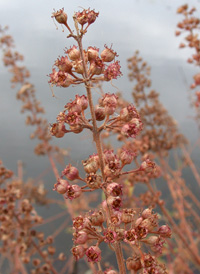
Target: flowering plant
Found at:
112, 223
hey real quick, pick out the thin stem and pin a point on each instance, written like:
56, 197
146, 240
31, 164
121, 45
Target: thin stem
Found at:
193, 255
97, 140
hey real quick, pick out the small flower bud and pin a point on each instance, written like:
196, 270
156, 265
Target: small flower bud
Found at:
96, 67
109, 156
91, 165
51, 250
73, 53
147, 223
147, 213
61, 186
182, 8
128, 113
74, 106
97, 218
76, 128
165, 231
92, 15
81, 237
147, 165
109, 101
61, 257
78, 251
108, 55
71, 172
100, 113
36, 262
152, 240
82, 101
126, 156
60, 16
156, 243
133, 263
64, 64
127, 215
138, 221
58, 130
93, 53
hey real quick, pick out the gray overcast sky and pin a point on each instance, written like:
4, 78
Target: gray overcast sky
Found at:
147, 25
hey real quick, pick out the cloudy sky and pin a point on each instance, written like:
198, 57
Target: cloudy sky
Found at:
144, 25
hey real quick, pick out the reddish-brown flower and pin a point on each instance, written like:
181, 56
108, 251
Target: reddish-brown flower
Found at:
71, 172
110, 236
80, 237
93, 254
165, 231
108, 54
60, 79
128, 113
73, 192
78, 251
147, 165
112, 71
61, 186
97, 218
93, 53
73, 53
60, 16
86, 16
132, 129
58, 130
130, 236
64, 64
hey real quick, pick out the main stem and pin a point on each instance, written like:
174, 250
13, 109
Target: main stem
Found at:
97, 140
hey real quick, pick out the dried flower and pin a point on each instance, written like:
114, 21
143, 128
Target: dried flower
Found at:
93, 53
71, 172
112, 71
73, 192
80, 237
133, 263
86, 16
165, 231
130, 236
61, 186
110, 236
93, 254
60, 16
78, 251
73, 53
108, 54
